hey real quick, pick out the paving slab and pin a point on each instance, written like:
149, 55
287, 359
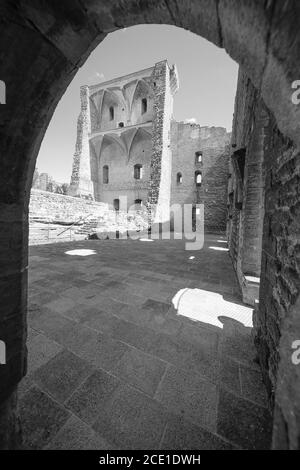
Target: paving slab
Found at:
41, 418
189, 396
131, 420
142, 371
62, 375
247, 425
91, 397
184, 435
77, 435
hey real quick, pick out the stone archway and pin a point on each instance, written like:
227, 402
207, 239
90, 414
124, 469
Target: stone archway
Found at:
44, 43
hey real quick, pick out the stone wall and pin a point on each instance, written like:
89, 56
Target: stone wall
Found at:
213, 143
58, 207
123, 139
171, 150
121, 170
263, 229
10, 426
164, 82
246, 186
277, 321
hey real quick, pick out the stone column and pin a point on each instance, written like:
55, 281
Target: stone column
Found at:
81, 182
253, 200
164, 81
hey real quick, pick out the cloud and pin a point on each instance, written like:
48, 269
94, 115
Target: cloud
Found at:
190, 121
100, 76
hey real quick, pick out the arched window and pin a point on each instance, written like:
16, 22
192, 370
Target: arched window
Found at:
198, 156
111, 113
117, 204
105, 174
138, 171
144, 105
138, 204
198, 178
179, 178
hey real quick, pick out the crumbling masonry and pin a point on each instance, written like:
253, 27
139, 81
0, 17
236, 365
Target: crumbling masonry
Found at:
128, 145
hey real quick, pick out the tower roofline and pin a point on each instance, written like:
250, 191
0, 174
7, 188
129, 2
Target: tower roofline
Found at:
126, 77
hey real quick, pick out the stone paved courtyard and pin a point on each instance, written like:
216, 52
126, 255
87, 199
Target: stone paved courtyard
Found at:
140, 345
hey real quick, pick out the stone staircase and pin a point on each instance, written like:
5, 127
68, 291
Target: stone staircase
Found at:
111, 222
56, 218
88, 227
41, 232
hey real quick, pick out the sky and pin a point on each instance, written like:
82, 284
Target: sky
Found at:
207, 84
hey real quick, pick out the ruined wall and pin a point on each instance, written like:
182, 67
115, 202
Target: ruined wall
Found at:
277, 322
144, 89
271, 229
246, 186
81, 183
115, 100
165, 84
53, 206
115, 128
186, 140
121, 170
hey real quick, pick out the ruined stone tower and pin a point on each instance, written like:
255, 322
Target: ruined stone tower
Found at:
123, 138
129, 145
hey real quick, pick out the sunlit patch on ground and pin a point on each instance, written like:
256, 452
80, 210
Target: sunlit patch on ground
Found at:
206, 307
81, 252
218, 248
252, 279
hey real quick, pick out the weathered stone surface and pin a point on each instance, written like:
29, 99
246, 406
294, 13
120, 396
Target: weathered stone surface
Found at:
75, 310
264, 241
76, 435
10, 428
250, 433
182, 435
53, 206
131, 420
140, 370
41, 418
189, 396
213, 143
106, 154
